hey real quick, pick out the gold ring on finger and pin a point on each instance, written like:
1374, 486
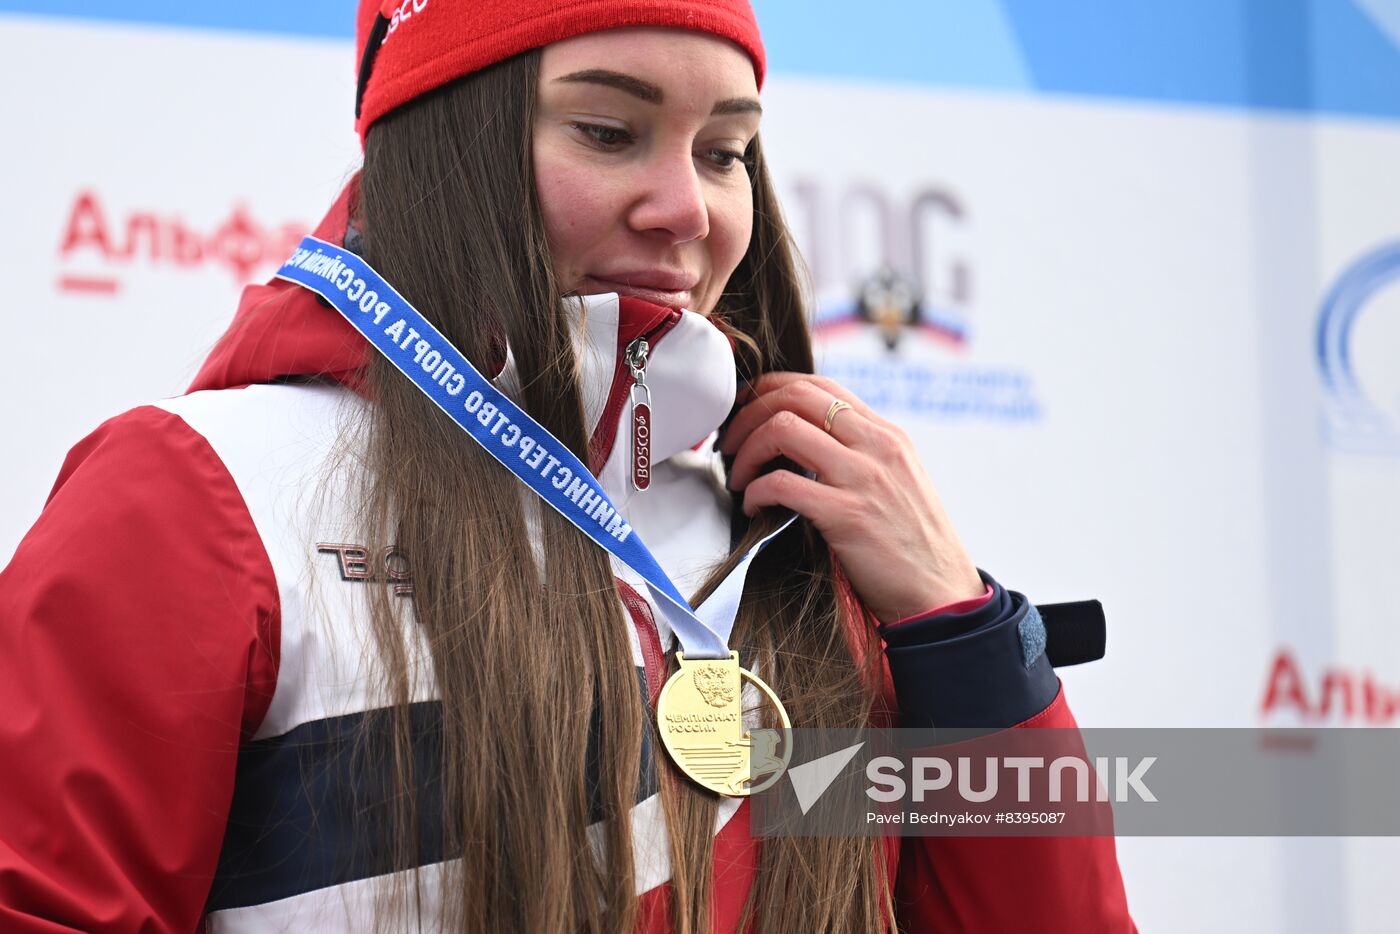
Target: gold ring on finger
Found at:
836, 406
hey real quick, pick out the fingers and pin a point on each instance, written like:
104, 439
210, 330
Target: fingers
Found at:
788, 434
806, 396
820, 504
777, 379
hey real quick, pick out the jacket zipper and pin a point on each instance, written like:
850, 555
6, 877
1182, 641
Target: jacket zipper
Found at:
600, 445
640, 418
653, 658
630, 366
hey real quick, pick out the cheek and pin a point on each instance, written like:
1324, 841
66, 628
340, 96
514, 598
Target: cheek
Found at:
574, 208
731, 226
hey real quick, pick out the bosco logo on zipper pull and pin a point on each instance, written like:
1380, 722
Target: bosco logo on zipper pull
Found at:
640, 397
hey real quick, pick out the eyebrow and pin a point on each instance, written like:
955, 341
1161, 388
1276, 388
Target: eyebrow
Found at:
646, 91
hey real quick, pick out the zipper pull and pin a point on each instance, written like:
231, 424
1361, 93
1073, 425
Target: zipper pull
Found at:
640, 397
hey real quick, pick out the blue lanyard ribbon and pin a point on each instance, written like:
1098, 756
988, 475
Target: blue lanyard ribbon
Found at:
420, 352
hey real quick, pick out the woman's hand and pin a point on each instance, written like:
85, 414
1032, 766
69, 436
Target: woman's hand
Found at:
872, 500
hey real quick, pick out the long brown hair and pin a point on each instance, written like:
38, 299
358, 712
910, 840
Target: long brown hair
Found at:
527, 639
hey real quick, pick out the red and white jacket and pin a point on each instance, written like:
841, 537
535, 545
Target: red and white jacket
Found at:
180, 638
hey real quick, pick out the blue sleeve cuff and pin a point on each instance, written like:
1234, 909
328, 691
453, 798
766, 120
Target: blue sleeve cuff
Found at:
984, 669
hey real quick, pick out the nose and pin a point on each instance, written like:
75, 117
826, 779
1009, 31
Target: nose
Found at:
672, 200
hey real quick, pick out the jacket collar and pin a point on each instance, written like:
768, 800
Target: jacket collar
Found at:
690, 372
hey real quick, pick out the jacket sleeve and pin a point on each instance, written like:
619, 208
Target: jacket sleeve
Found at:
985, 669
138, 639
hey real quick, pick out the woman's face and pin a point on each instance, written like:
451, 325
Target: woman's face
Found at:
639, 140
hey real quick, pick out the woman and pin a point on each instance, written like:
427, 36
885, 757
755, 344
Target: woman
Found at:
298, 655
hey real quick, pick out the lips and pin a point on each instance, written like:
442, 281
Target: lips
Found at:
660, 287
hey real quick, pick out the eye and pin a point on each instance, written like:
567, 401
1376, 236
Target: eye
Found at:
605, 137
725, 160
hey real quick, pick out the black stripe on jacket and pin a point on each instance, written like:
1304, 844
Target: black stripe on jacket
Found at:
310, 809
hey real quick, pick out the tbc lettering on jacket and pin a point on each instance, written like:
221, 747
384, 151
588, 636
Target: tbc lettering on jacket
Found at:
355, 565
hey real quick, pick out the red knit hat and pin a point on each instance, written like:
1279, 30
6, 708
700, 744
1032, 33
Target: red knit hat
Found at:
409, 47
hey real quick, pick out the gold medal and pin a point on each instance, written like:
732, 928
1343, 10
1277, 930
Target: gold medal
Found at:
701, 718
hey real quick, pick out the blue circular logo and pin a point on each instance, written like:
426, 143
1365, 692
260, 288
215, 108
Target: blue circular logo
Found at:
1357, 346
